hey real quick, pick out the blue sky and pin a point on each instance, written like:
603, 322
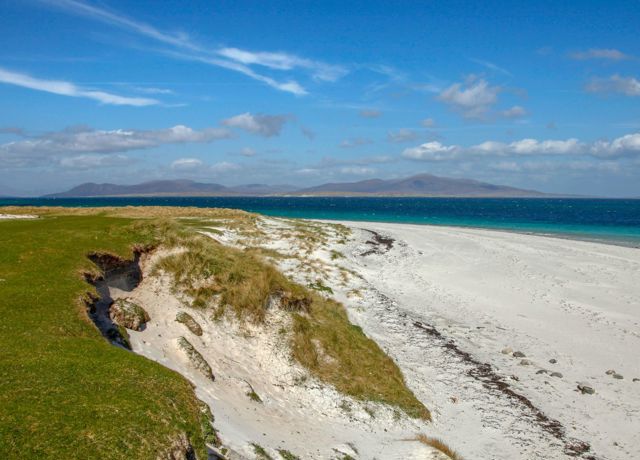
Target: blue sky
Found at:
542, 95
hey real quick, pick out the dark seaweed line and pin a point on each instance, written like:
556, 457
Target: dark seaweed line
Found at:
485, 373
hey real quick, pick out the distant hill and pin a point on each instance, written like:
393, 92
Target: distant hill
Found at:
170, 188
419, 185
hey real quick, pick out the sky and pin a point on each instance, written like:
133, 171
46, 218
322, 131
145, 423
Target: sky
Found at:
541, 95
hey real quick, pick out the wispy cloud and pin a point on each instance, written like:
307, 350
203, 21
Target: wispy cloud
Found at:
355, 142
181, 46
428, 123
628, 86
263, 125
491, 66
514, 112
65, 88
247, 152
625, 146
402, 135
92, 161
608, 54
83, 140
370, 113
357, 171
186, 164
192, 165
284, 61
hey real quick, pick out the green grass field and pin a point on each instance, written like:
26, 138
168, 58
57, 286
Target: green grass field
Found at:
65, 392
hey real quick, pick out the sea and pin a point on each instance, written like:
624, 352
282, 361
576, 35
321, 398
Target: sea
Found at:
615, 221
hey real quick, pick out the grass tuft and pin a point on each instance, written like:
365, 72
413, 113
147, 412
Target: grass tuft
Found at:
439, 445
260, 452
286, 455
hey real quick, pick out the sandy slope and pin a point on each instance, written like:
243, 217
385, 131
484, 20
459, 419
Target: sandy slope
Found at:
575, 302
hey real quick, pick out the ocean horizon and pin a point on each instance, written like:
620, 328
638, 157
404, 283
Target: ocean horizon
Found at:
615, 221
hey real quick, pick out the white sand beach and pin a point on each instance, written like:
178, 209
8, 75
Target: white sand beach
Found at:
570, 307
494, 332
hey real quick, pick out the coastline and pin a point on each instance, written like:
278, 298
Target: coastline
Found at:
630, 242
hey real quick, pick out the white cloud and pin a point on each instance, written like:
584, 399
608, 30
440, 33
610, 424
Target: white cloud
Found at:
355, 142
65, 88
628, 145
284, 61
402, 135
473, 98
547, 147
431, 151
615, 84
600, 53
82, 140
624, 146
263, 125
514, 112
181, 46
186, 164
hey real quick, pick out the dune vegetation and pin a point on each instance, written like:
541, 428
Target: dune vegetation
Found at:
67, 392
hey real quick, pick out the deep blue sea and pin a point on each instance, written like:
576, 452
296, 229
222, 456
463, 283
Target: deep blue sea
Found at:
612, 220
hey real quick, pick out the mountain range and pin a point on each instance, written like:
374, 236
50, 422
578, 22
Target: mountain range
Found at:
418, 185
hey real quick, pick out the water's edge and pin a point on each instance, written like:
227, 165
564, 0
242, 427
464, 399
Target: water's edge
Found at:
611, 221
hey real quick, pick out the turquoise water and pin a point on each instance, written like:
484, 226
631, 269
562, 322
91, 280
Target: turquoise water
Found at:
610, 220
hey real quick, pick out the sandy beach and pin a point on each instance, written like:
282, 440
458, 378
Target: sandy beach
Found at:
571, 308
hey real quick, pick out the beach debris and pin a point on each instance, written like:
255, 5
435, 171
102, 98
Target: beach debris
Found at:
196, 358
553, 360
189, 322
379, 244
636, 379
507, 351
586, 389
126, 313
519, 354
575, 448
617, 376
557, 374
